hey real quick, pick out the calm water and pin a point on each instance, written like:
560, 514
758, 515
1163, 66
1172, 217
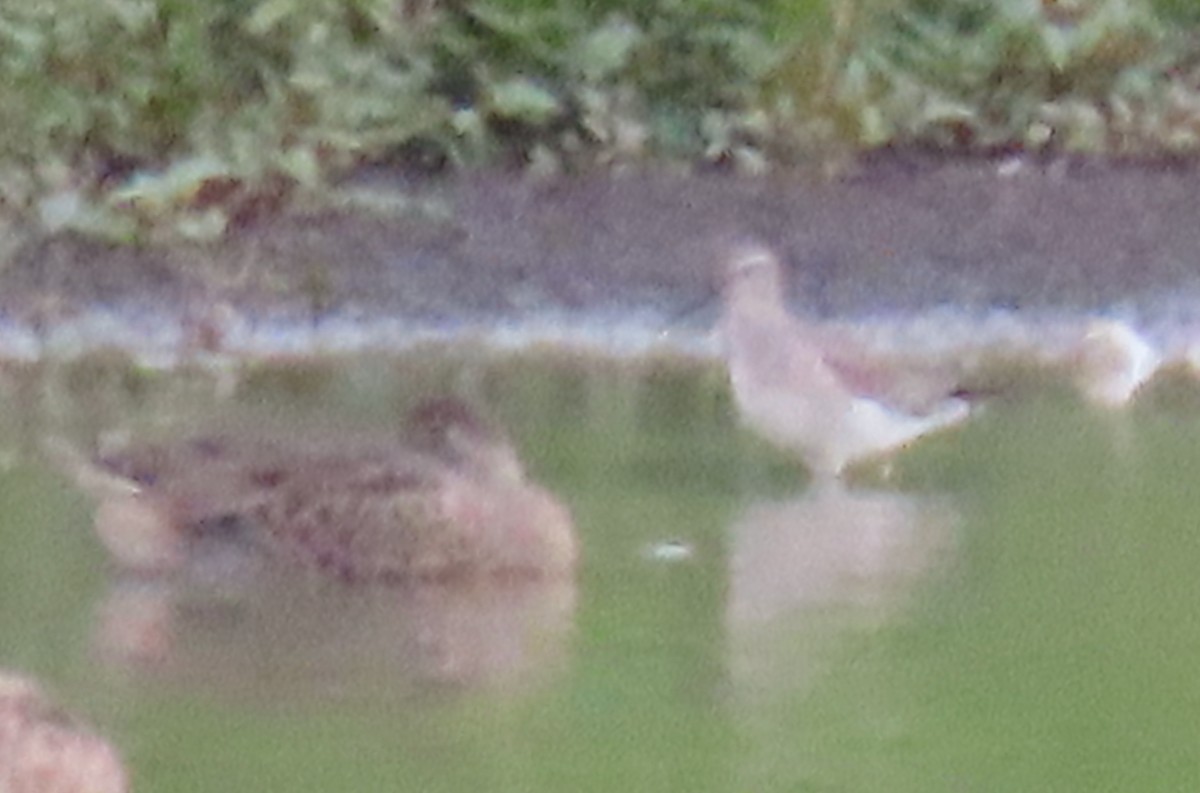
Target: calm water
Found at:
1013, 609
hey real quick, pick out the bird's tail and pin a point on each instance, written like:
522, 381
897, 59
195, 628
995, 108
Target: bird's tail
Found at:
90, 477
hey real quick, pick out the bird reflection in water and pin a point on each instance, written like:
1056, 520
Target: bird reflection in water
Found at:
290, 635
807, 572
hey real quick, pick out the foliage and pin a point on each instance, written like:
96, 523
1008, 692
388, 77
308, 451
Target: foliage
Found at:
197, 109
127, 116
1103, 76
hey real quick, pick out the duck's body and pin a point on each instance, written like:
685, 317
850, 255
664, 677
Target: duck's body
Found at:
792, 391
452, 500
44, 750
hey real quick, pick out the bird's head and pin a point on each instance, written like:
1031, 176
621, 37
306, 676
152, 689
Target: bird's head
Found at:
450, 430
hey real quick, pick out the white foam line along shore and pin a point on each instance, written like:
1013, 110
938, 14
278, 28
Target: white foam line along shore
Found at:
1100, 346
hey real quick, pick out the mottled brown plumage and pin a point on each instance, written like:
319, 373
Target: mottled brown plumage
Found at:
449, 500
45, 750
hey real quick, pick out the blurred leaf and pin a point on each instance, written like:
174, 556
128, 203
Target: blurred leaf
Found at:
607, 49
522, 100
268, 14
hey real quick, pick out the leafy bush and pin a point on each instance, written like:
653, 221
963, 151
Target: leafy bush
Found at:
123, 114
234, 91
1105, 76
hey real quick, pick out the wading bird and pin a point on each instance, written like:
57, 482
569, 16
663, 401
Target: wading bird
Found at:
798, 389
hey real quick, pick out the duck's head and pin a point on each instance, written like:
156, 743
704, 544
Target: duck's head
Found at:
448, 429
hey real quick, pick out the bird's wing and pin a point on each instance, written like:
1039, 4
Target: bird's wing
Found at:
900, 383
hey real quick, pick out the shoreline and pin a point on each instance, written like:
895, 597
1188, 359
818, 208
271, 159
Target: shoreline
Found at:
926, 246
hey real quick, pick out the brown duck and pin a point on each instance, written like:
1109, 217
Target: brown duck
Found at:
45, 750
449, 500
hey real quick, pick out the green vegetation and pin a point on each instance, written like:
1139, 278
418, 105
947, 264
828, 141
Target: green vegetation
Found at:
125, 113
1096, 76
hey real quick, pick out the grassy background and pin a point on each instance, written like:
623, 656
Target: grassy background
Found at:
123, 113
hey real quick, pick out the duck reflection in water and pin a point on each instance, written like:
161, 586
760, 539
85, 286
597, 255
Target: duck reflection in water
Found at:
434, 550
45, 750
291, 635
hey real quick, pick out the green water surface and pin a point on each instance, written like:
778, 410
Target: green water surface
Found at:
1021, 617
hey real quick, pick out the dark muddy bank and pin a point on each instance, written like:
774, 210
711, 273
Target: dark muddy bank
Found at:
897, 234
